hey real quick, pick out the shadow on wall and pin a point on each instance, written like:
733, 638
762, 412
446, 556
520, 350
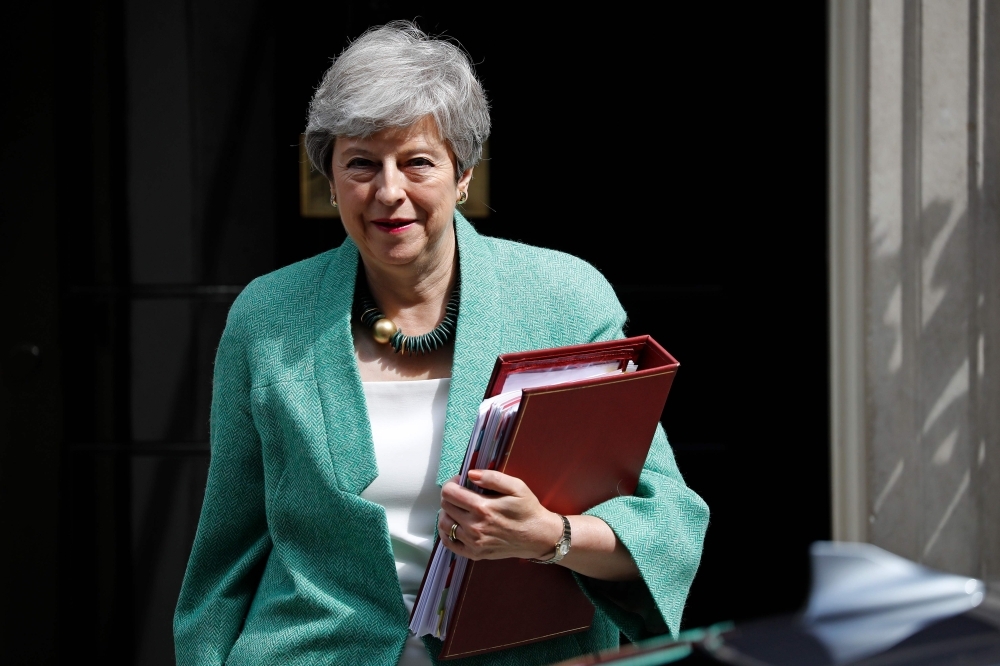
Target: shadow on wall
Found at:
923, 360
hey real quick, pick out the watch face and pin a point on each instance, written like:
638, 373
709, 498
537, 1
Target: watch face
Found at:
564, 548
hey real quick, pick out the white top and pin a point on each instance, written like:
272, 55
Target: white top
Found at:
407, 420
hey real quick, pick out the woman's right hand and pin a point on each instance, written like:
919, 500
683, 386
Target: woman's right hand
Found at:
510, 523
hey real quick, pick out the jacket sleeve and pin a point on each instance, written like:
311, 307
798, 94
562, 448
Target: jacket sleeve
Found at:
232, 541
663, 527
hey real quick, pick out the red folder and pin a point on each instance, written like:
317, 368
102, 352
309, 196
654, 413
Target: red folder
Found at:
575, 445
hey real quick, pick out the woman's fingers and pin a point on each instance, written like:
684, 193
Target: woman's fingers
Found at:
445, 523
453, 510
497, 481
475, 503
460, 497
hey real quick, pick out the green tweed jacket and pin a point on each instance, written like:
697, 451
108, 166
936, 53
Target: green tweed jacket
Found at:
290, 565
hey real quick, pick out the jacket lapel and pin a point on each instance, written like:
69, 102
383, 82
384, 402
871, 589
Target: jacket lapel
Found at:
478, 340
345, 413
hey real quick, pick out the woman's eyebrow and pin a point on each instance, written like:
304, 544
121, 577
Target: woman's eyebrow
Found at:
357, 150
421, 147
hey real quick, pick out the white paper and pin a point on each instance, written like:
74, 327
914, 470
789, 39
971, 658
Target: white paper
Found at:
552, 376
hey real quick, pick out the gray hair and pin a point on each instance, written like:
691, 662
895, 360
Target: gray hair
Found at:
390, 77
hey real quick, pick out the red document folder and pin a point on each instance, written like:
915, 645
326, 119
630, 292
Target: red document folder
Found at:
575, 445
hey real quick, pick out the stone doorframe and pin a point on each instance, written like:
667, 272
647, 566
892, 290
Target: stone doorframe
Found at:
914, 257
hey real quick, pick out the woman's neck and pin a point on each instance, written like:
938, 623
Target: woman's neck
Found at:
413, 296
414, 299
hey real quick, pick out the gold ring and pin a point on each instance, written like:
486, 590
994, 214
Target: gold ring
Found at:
451, 535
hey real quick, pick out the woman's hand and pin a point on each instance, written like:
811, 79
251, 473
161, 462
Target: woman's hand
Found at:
514, 524
492, 527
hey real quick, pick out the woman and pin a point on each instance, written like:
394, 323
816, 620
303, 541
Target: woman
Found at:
331, 437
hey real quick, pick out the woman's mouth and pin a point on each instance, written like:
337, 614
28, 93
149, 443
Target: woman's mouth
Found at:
393, 226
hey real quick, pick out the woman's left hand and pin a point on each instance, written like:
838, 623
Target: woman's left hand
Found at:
493, 527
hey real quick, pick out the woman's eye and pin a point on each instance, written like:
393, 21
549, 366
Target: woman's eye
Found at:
421, 161
359, 163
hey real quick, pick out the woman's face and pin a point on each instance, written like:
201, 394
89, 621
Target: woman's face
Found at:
396, 192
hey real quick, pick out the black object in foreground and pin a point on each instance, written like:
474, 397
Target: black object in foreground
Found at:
867, 607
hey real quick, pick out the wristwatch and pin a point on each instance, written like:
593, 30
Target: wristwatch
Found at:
562, 546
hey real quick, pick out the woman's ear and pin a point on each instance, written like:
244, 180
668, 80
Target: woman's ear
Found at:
464, 180
333, 194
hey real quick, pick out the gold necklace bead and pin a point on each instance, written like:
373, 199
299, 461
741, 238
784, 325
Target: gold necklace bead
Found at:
383, 330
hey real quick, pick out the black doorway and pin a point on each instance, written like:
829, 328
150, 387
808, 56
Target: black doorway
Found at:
682, 152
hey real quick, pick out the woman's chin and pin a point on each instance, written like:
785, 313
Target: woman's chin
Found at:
399, 255
411, 247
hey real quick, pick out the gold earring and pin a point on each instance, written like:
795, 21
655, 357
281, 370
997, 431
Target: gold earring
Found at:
463, 197
333, 200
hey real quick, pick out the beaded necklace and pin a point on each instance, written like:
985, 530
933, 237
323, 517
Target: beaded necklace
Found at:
384, 330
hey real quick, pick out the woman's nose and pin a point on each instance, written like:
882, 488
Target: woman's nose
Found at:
390, 187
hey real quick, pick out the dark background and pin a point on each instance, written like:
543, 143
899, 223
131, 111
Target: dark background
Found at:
149, 170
